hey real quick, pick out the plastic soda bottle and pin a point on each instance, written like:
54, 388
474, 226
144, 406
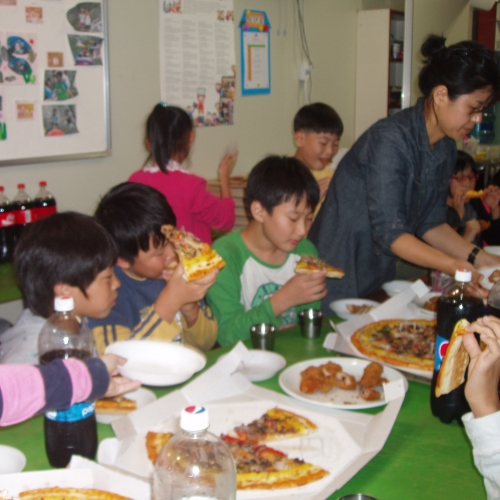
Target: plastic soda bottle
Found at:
459, 300
72, 431
7, 225
44, 203
195, 464
22, 205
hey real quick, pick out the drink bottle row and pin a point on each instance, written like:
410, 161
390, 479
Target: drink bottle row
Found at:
15, 215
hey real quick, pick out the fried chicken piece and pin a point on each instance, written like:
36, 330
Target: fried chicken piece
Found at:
369, 394
372, 375
319, 378
345, 381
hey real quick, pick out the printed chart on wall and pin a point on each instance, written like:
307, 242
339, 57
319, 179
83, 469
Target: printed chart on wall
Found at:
53, 81
197, 59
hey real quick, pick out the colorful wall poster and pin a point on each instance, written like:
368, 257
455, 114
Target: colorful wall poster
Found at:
18, 58
197, 59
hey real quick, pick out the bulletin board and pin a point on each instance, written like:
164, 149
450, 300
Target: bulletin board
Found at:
54, 83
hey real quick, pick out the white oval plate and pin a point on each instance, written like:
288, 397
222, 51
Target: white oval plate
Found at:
420, 302
339, 307
486, 272
157, 363
142, 396
11, 460
337, 398
495, 250
262, 365
392, 288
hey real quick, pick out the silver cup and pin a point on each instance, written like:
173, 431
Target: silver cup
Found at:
310, 321
263, 335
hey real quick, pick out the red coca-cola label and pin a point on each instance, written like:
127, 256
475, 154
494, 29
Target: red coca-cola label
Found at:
38, 213
7, 219
23, 216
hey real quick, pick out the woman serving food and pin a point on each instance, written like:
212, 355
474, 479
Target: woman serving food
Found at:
388, 196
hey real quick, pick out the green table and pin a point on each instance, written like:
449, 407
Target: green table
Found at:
9, 289
422, 458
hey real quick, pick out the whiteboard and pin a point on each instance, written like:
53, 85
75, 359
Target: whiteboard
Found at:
54, 83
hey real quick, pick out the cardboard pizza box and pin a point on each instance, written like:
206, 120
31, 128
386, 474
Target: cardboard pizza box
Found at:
399, 306
361, 436
82, 473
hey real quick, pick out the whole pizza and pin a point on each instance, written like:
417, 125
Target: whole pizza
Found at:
399, 342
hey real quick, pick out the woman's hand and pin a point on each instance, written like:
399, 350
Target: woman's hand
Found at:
458, 200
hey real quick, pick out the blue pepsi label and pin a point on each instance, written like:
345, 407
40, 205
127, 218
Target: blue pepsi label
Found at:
78, 411
441, 347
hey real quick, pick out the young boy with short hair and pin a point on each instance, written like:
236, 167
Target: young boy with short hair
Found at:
66, 254
317, 131
259, 284
155, 302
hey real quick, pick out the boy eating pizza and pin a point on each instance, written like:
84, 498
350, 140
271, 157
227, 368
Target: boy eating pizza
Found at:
259, 282
155, 301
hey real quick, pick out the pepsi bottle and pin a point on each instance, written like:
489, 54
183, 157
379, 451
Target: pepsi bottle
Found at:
459, 301
7, 225
44, 203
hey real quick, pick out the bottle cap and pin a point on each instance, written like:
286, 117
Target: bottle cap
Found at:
194, 418
21, 186
42, 184
463, 275
64, 304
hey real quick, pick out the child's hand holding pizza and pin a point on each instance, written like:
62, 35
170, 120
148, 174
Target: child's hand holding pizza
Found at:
481, 389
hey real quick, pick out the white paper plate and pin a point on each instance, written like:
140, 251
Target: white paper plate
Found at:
392, 288
337, 398
142, 396
157, 363
11, 460
486, 272
420, 302
262, 365
495, 250
340, 306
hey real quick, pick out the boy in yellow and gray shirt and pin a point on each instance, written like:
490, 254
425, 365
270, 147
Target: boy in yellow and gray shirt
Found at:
154, 302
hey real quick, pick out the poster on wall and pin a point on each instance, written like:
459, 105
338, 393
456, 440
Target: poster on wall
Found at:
53, 81
197, 59
255, 53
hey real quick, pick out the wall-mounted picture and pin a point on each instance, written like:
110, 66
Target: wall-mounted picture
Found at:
59, 85
55, 59
18, 61
8, 2
59, 119
34, 15
87, 50
25, 110
86, 17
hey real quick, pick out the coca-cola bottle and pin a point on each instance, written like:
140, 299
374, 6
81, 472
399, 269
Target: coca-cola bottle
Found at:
44, 203
72, 431
22, 205
7, 225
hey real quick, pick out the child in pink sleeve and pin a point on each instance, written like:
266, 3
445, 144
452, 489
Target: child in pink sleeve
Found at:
169, 137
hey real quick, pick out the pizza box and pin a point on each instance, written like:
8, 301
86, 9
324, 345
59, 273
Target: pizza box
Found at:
399, 306
81, 473
344, 443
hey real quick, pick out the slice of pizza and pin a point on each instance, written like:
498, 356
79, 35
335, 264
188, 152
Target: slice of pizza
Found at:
116, 406
455, 362
197, 257
260, 467
474, 194
155, 442
70, 494
310, 264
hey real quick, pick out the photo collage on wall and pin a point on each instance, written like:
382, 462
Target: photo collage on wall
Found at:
53, 74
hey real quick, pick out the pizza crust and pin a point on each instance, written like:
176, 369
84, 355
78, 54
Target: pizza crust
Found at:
70, 494
310, 264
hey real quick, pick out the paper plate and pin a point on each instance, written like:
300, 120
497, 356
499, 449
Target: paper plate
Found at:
262, 365
336, 398
339, 307
142, 397
420, 302
157, 363
392, 288
11, 460
495, 250
486, 272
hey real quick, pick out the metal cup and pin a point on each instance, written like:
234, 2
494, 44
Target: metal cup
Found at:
263, 335
310, 321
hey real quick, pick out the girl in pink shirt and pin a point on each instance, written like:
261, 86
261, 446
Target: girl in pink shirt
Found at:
169, 137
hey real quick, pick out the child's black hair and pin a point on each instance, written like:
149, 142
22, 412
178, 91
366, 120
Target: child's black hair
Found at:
318, 117
464, 161
133, 213
278, 179
67, 247
167, 131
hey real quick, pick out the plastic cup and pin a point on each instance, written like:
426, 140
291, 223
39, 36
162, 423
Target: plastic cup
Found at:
310, 321
262, 336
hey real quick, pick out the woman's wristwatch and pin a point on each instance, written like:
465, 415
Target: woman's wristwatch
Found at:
472, 256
